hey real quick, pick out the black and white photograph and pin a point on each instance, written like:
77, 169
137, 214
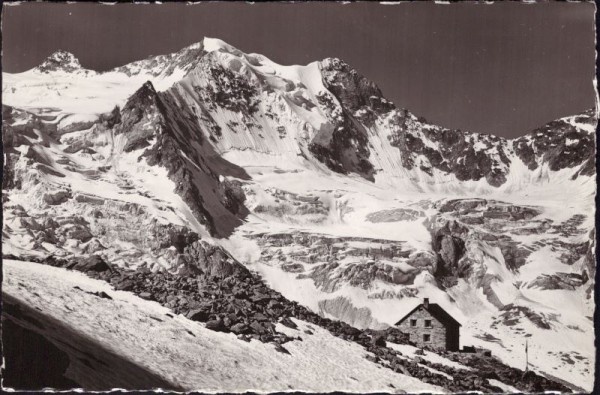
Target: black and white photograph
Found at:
307, 197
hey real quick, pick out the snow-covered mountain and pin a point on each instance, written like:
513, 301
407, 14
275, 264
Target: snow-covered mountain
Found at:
309, 176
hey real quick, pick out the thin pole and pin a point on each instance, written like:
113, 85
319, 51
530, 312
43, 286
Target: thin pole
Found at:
526, 357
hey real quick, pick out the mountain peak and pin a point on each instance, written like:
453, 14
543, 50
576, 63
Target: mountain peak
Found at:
215, 44
60, 61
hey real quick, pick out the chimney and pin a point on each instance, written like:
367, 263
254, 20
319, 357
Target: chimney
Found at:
426, 303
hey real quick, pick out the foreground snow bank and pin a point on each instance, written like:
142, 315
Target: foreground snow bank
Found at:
189, 355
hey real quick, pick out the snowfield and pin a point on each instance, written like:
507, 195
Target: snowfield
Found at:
195, 358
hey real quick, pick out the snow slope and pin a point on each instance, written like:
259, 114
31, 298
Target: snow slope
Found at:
184, 352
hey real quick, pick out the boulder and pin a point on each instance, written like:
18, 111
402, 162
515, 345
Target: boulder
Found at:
289, 323
30, 223
56, 198
216, 325
103, 295
124, 285
93, 263
281, 349
198, 315
258, 328
18, 210
146, 295
172, 236
239, 328
378, 340
89, 199
50, 223
76, 232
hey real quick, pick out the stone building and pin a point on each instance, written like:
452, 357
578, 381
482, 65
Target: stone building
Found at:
428, 325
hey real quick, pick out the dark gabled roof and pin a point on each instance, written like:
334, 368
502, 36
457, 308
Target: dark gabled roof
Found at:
436, 311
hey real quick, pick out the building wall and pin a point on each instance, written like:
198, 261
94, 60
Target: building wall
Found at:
437, 331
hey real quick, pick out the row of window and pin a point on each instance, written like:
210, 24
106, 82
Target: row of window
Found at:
413, 323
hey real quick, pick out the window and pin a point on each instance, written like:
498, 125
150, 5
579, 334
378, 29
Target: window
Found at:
426, 337
427, 323
413, 322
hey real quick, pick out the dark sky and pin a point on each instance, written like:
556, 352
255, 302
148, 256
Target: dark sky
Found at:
503, 68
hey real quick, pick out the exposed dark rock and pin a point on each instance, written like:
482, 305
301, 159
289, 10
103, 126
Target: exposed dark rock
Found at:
449, 245
216, 325
343, 147
293, 267
233, 197
89, 199
201, 315
395, 215
568, 281
93, 246
76, 232
281, 349
103, 295
56, 198
379, 340
462, 206
469, 156
59, 61
289, 323
170, 235
239, 328
213, 260
141, 106
512, 313
124, 285
230, 89
146, 295
559, 144
192, 164
94, 263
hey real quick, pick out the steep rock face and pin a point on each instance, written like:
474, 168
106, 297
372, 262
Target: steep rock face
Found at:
449, 245
165, 65
473, 237
563, 143
353, 90
241, 104
176, 142
570, 281
247, 102
464, 224
25, 137
469, 156
361, 104
138, 119
60, 61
